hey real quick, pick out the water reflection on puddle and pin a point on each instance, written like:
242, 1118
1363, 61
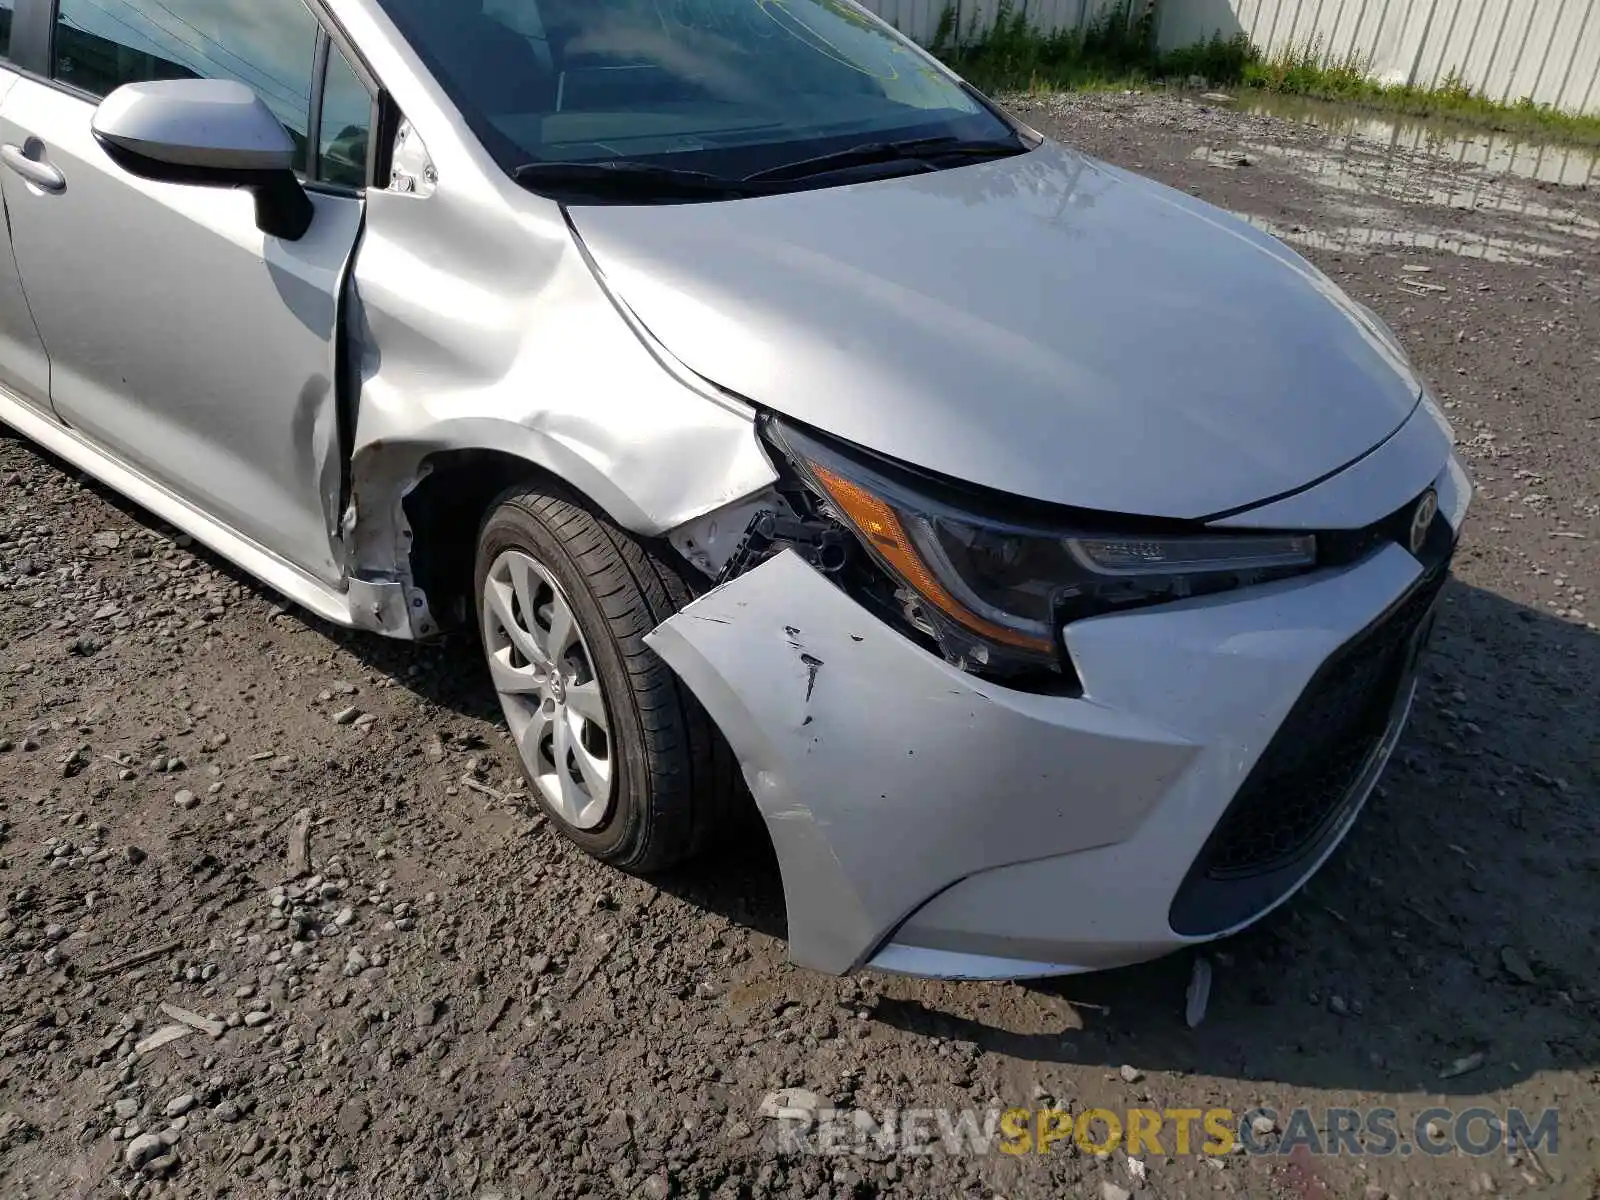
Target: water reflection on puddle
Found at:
1362, 239
1495, 154
1380, 167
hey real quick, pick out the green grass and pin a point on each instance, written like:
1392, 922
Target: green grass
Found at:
1301, 72
1118, 52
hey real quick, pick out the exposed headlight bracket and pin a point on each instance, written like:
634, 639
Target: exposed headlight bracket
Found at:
826, 548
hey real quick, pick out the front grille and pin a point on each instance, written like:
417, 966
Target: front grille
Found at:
1300, 789
1321, 748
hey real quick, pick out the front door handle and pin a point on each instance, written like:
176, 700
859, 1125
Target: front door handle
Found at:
41, 174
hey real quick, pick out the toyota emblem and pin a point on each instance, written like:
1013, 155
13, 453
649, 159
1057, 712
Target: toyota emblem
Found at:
1422, 520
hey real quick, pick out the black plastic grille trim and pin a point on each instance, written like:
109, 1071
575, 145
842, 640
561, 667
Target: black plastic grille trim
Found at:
1300, 791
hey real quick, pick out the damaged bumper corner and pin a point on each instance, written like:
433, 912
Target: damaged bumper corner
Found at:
928, 821
883, 773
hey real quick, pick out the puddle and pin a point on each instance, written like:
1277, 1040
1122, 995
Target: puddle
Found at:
1493, 154
1363, 239
1511, 193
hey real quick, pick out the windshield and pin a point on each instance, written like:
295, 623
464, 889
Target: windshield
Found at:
725, 87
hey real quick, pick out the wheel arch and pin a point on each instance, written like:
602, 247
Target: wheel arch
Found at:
417, 502
427, 499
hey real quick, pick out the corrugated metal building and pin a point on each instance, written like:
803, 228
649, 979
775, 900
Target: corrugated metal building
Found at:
1546, 50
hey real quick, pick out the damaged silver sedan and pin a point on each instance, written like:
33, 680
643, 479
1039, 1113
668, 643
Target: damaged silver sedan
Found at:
1045, 554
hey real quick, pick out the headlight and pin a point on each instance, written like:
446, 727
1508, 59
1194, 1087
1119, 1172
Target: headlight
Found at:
994, 590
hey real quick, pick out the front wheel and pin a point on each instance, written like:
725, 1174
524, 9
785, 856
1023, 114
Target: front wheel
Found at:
618, 754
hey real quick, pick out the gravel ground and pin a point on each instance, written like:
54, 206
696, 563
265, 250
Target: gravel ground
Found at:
304, 851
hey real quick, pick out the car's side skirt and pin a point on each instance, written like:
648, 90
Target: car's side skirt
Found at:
283, 577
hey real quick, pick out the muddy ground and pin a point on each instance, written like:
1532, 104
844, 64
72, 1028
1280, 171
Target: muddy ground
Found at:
451, 1002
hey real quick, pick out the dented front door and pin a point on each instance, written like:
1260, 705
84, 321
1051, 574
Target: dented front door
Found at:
182, 339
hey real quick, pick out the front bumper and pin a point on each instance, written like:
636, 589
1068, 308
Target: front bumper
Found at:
929, 821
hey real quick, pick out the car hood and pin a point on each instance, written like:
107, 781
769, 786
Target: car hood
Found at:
1044, 325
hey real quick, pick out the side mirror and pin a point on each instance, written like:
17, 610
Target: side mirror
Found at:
210, 133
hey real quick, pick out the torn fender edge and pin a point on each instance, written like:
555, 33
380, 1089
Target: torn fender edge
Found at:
883, 773
383, 595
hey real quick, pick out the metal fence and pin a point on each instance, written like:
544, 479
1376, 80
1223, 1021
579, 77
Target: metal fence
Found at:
1544, 50
920, 18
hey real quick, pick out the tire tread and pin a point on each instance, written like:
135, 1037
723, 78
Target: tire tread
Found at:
692, 789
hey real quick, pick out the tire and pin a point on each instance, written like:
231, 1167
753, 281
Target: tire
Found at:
669, 783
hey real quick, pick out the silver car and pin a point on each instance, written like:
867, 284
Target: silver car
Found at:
1045, 554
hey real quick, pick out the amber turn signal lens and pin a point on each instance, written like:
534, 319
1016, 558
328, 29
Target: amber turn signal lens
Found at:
880, 525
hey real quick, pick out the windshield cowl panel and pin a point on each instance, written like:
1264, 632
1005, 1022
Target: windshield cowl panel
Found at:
718, 89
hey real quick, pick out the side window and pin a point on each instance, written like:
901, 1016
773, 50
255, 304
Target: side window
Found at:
7, 9
270, 45
346, 130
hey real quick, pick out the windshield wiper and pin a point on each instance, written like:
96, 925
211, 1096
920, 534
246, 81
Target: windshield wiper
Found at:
913, 150
631, 180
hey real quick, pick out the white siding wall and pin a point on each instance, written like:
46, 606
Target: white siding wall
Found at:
1546, 49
